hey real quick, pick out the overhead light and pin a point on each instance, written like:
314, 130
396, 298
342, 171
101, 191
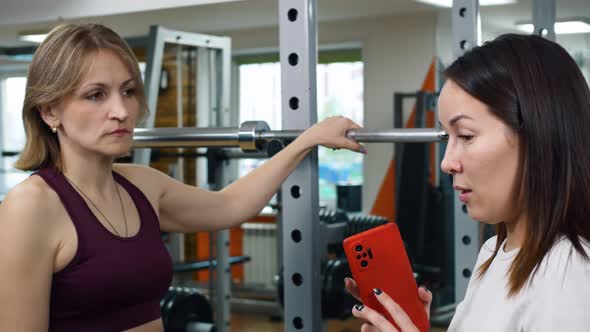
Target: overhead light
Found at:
449, 3
562, 26
32, 36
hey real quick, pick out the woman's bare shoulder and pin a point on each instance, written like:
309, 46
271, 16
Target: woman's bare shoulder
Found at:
31, 201
29, 223
131, 170
147, 179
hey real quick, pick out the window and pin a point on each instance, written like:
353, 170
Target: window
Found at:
339, 92
12, 95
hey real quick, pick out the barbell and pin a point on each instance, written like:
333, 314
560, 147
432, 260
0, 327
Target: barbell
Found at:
254, 136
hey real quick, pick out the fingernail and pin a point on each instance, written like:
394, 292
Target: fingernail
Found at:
363, 150
424, 287
359, 307
377, 291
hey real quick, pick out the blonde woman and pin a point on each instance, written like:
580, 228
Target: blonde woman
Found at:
81, 237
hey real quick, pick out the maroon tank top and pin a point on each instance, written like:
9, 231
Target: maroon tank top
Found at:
112, 283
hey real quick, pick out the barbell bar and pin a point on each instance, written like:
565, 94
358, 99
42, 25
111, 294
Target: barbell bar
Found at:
252, 135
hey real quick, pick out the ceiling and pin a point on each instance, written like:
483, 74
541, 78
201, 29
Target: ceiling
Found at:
234, 15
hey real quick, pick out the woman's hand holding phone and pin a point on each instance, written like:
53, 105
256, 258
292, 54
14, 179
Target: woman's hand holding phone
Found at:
375, 322
384, 281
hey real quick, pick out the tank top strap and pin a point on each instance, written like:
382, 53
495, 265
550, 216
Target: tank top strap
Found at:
74, 206
67, 194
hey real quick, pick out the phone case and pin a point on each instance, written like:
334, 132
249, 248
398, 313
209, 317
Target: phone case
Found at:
378, 259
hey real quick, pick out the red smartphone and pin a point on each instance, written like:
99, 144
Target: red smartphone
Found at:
378, 259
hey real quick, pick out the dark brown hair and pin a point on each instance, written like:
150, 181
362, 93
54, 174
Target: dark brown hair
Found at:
536, 88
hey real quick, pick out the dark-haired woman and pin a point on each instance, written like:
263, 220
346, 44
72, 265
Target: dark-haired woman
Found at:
517, 112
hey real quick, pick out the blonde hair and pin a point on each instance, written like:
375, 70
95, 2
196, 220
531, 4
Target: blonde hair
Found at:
56, 71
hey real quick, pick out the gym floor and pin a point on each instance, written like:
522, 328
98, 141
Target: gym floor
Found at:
260, 323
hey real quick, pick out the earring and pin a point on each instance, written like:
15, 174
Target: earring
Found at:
54, 129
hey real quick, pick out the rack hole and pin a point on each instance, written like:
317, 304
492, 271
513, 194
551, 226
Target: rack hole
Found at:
296, 236
292, 14
295, 192
297, 279
293, 59
294, 103
298, 323
466, 273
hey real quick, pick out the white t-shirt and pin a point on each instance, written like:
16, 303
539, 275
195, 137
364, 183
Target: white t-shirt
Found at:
558, 299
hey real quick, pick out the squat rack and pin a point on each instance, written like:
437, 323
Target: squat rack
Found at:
301, 234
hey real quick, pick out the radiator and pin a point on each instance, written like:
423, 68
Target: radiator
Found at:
260, 243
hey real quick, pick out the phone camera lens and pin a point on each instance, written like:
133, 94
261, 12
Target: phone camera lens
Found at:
364, 263
358, 248
364, 255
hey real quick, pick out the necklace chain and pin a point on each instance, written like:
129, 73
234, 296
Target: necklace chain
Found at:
97, 209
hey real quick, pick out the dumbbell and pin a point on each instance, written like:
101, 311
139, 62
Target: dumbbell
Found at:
164, 302
185, 309
336, 301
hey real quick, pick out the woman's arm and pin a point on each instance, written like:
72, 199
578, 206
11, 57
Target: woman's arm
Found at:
185, 208
26, 260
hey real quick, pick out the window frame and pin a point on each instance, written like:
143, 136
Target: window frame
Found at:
329, 56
